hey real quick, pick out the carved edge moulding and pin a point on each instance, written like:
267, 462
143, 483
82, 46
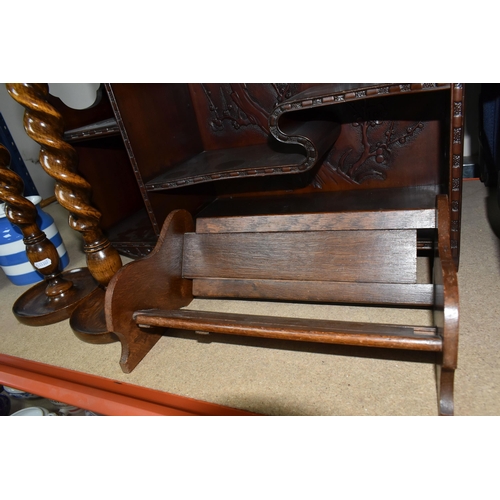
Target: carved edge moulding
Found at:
305, 145
133, 161
311, 137
456, 159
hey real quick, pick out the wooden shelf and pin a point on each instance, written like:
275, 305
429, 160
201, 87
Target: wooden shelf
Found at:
134, 236
103, 128
257, 160
147, 149
354, 200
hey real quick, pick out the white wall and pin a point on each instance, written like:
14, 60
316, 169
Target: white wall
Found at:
76, 95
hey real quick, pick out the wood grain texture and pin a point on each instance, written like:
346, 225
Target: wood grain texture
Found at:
446, 309
341, 221
364, 256
317, 202
305, 330
294, 266
154, 281
412, 295
35, 308
43, 123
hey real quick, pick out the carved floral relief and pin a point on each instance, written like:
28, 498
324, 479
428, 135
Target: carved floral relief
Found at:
365, 151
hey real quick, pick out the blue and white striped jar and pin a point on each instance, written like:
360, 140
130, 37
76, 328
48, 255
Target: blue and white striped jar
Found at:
13, 258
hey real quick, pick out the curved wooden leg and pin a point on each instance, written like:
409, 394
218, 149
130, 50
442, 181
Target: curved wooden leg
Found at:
445, 380
54, 299
59, 159
446, 310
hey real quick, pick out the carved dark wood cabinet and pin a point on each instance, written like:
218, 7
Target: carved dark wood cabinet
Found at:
284, 192
223, 149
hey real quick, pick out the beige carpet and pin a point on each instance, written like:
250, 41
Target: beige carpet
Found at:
277, 378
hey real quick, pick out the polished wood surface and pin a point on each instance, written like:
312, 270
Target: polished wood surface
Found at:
420, 294
58, 158
43, 123
154, 281
372, 256
189, 145
382, 219
305, 330
56, 298
446, 310
226, 152
277, 266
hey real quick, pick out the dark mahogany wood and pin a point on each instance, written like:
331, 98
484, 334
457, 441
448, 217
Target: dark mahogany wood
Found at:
446, 309
294, 265
43, 123
382, 219
154, 281
88, 321
35, 308
54, 299
305, 330
187, 145
421, 294
58, 158
369, 256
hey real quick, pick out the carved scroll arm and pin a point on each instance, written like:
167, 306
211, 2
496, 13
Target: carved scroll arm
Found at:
306, 119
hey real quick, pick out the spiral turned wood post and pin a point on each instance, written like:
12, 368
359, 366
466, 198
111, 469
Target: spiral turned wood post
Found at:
40, 250
44, 124
56, 299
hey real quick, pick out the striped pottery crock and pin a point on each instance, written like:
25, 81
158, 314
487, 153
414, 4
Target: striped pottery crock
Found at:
13, 259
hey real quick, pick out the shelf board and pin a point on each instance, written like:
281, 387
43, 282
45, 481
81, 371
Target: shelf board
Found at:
104, 128
422, 197
134, 236
247, 161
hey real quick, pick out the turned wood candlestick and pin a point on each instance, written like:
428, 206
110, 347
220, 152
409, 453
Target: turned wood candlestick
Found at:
44, 124
56, 298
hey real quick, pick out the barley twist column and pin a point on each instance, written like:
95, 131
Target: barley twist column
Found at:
59, 159
55, 299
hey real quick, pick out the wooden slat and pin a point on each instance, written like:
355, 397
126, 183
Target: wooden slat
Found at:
410, 295
306, 330
366, 200
388, 219
362, 256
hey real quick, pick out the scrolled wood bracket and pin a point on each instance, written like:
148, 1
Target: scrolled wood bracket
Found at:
317, 135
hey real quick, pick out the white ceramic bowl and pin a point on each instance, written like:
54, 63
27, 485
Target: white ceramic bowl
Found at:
18, 394
33, 411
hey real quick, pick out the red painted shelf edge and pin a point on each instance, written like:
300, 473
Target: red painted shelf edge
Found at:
100, 394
